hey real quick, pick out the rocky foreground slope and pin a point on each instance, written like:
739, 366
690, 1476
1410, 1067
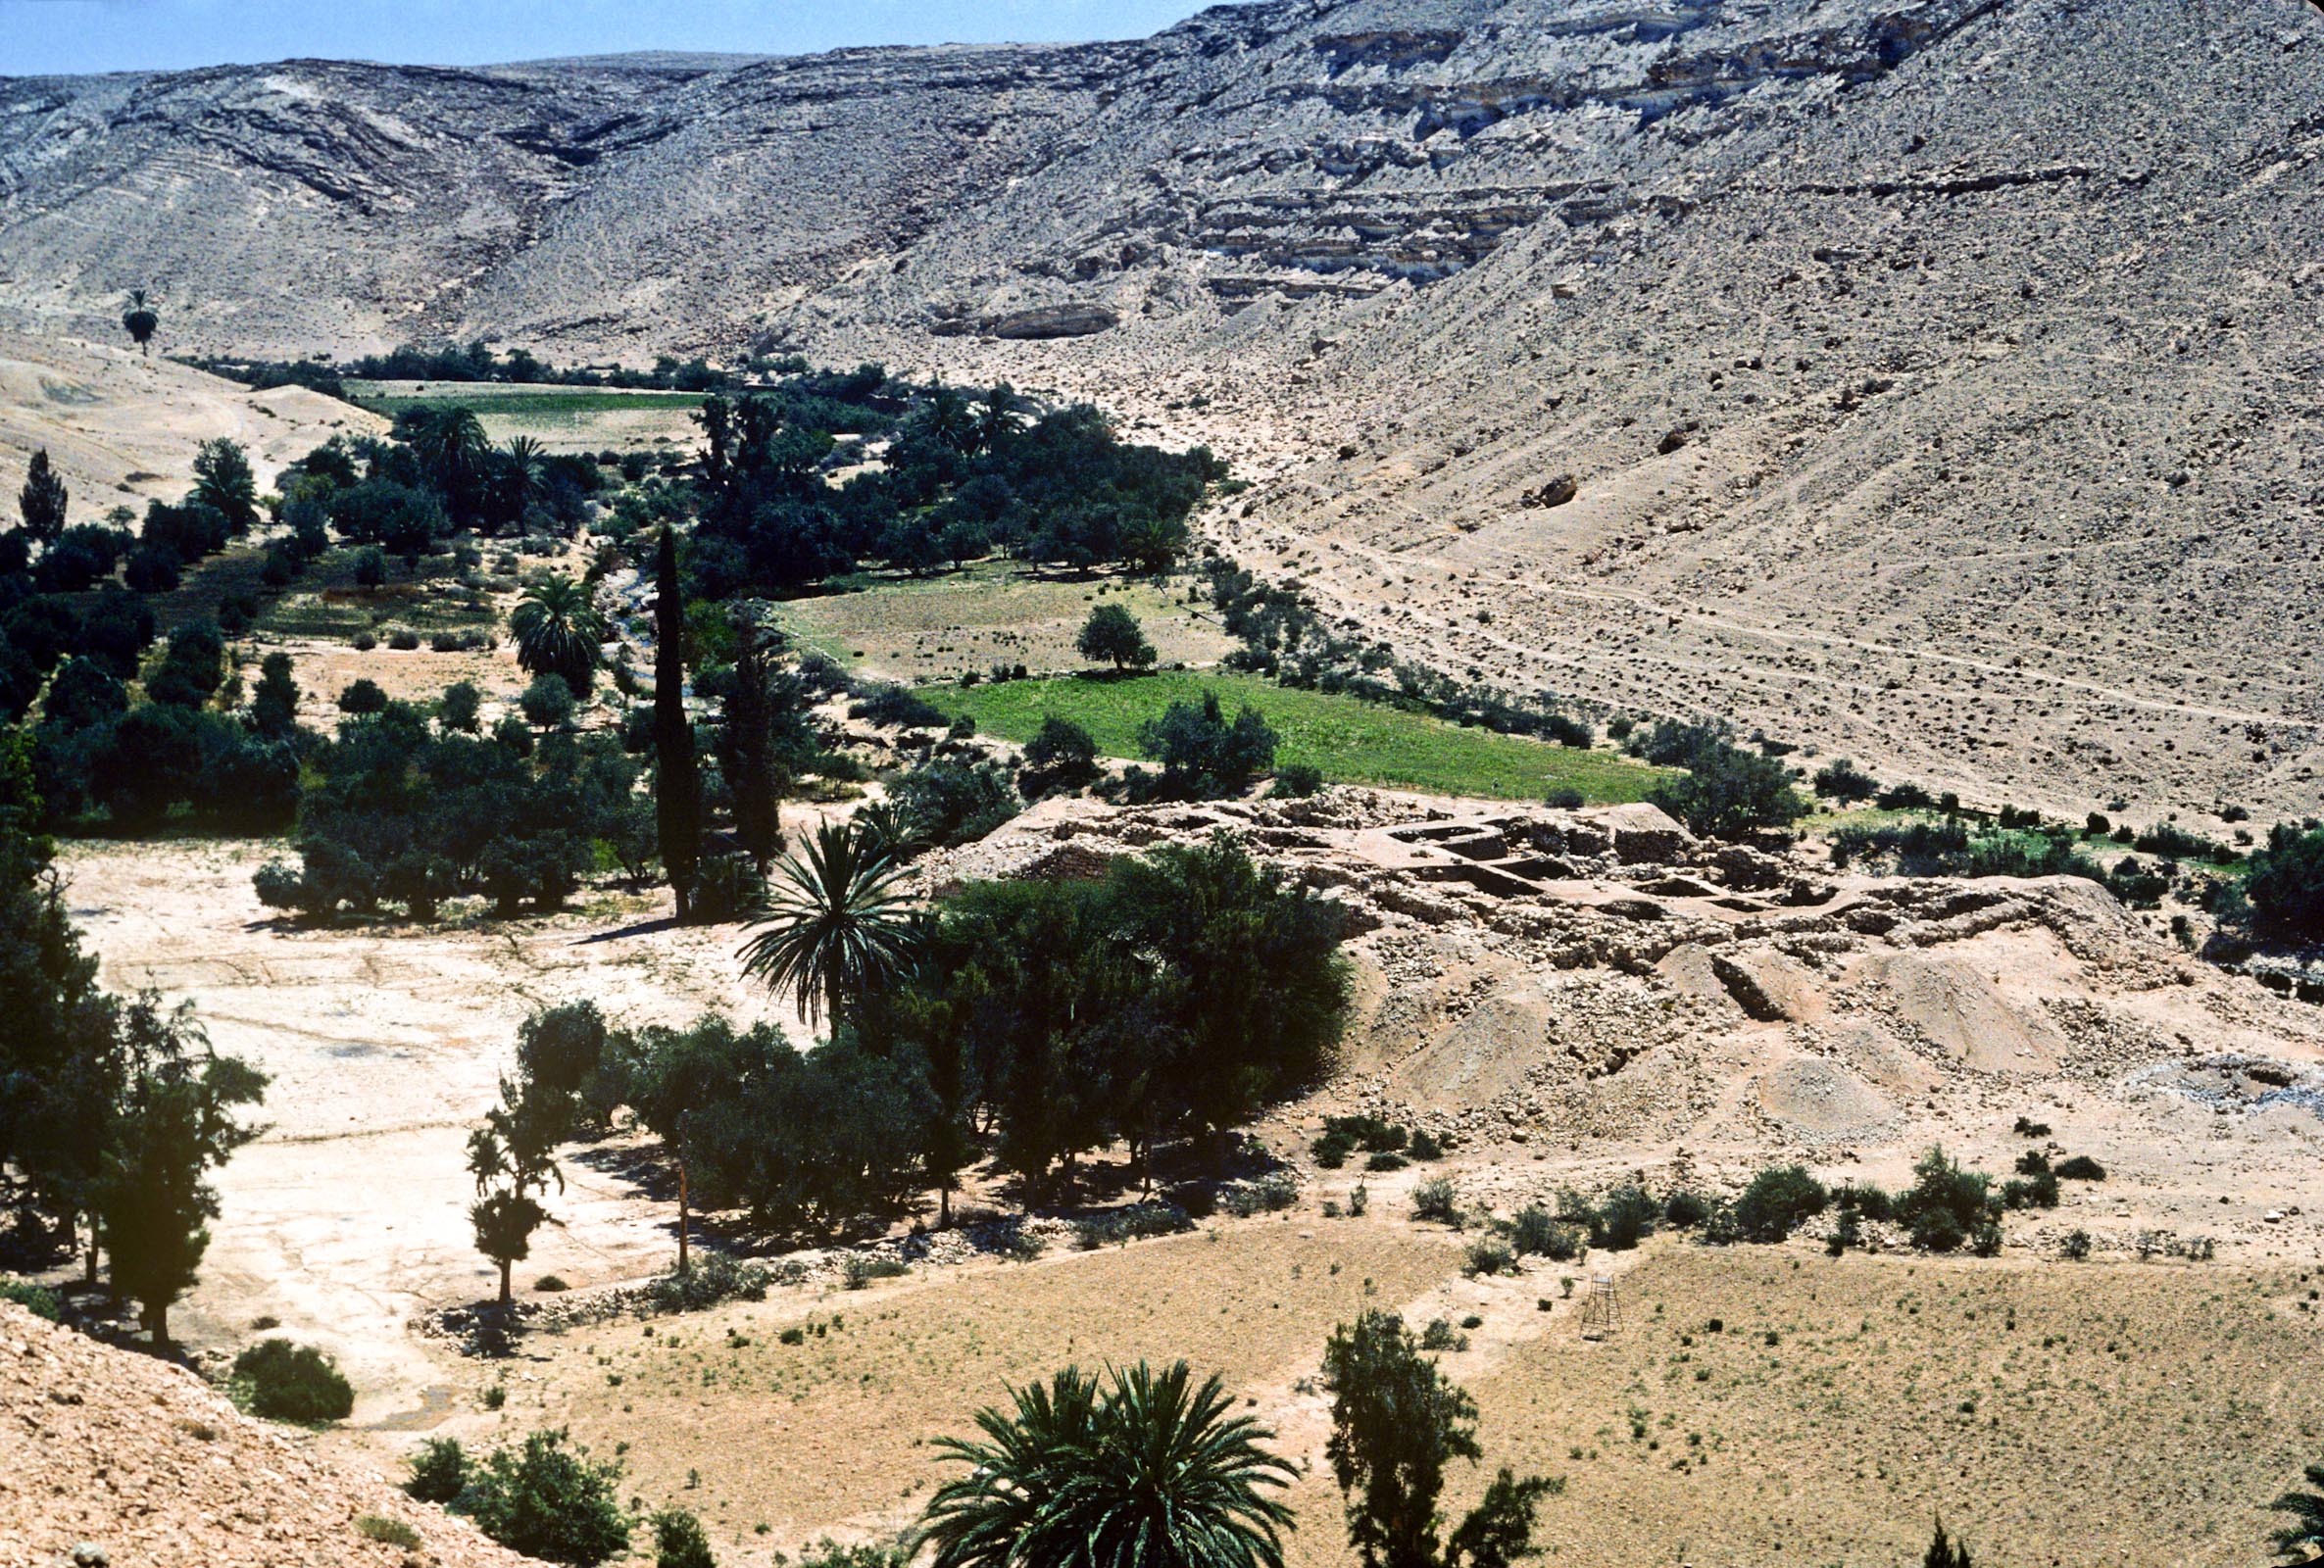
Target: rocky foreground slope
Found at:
109, 1456
1937, 380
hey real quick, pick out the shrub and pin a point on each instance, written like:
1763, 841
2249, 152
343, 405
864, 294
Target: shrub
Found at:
1728, 791
2028, 1128
714, 1278
1264, 1195
548, 702
1947, 1205
1385, 1161
1778, 1201
439, 1471
1683, 1210
1624, 1218
387, 1532
403, 639
2081, 1168
893, 705
1133, 1224
459, 707
37, 1300
1297, 780
286, 1382
1435, 1200
1565, 798
1439, 1335
1843, 781
862, 1268
678, 1541
1425, 1146
551, 1284
2076, 1245
1490, 1256
1345, 1134
2038, 1192
547, 1501
1535, 1233
1062, 756
727, 887
362, 696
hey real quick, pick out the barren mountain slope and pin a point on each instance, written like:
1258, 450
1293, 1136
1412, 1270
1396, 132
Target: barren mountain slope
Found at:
1940, 378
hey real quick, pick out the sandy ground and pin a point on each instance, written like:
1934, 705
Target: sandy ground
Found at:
384, 1047
123, 428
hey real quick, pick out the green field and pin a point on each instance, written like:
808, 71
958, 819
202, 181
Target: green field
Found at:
518, 403
1351, 742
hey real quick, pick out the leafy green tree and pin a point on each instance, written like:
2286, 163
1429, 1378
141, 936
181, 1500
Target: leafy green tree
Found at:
439, 1471
192, 667
557, 631
2305, 1532
763, 736
140, 321
677, 1081
461, 708
174, 1125
41, 502
1778, 1201
511, 1158
548, 702
1947, 1207
546, 1500
274, 700
1113, 634
1204, 757
287, 1381
677, 790
1396, 1421
225, 483
839, 924
944, 803
1061, 757
2284, 888
1150, 1472
1729, 793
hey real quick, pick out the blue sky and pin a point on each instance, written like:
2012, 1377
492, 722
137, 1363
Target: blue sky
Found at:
45, 36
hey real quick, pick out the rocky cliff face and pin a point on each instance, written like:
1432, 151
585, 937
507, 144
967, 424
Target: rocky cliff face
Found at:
1939, 380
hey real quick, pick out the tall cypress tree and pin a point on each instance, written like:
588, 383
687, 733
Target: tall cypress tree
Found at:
42, 499
678, 793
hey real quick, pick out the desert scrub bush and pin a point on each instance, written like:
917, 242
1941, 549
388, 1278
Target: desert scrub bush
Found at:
1536, 1233
387, 1532
1297, 780
727, 887
439, 1471
1439, 1335
862, 1268
1347, 1135
1947, 1207
1617, 1222
2076, 1246
1269, 1192
895, 706
1131, 1225
1435, 1200
37, 1300
2081, 1168
286, 1382
1684, 1210
713, 1279
362, 696
679, 1541
548, 1501
1385, 1161
1778, 1201
403, 639
1489, 1255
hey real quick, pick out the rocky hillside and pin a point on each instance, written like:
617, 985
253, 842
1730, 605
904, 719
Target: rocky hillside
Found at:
111, 1456
1933, 380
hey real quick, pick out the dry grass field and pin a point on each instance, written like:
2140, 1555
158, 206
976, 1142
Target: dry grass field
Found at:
2051, 1413
833, 1434
999, 611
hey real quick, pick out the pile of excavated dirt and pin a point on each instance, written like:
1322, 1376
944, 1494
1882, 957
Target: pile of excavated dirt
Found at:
108, 1456
1600, 988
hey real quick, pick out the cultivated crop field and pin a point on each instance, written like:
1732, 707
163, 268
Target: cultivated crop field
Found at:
998, 612
563, 419
1353, 742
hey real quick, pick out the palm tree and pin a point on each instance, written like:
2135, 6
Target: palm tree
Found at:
1150, 1473
453, 452
140, 321
558, 631
2305, 1532
838, 925
516, 478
